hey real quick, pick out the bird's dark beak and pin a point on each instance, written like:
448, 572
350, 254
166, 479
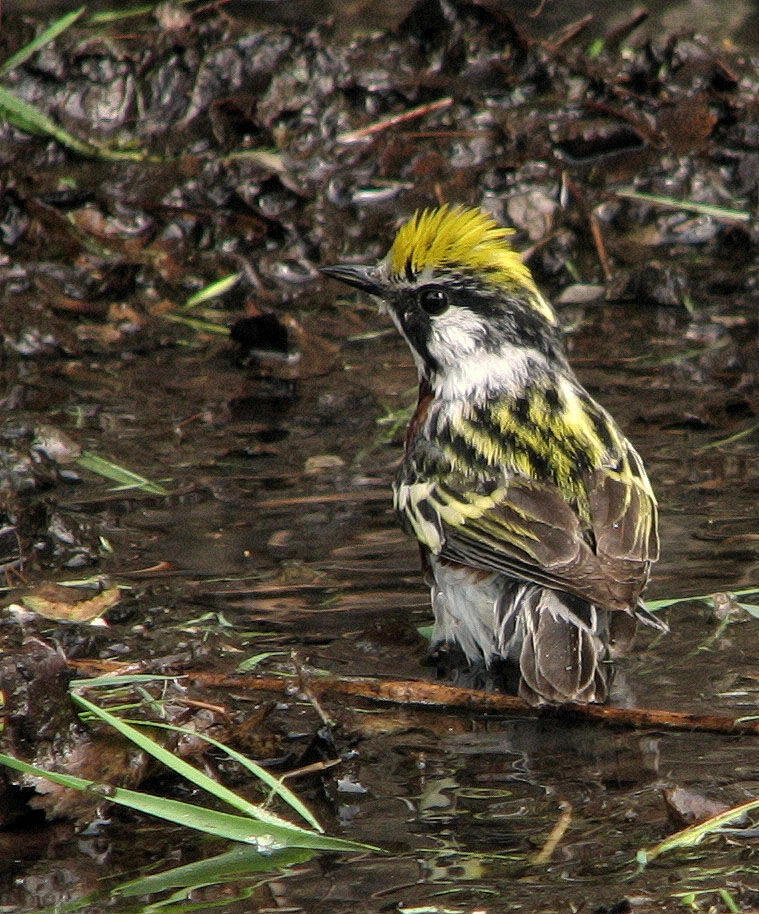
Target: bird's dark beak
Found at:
364, 278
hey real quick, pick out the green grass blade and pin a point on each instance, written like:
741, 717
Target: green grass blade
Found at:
197, 324
251, 663
703, 209
185, 769
213, 290
235, 864
222, 824
27, 117
689, 898
107, 17
655, 605
731, 439
695, 834
728, 901
110, 682
126, 478
258, 770
51, 32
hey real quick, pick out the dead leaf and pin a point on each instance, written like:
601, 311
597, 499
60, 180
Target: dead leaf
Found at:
688, 124
67, 604
686, 807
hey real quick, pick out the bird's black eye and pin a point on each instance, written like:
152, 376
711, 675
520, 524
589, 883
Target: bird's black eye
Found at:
433, 301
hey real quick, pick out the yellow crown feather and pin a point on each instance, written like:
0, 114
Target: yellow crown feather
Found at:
467, 239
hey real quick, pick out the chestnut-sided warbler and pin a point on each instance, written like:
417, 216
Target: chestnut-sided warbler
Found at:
536, 519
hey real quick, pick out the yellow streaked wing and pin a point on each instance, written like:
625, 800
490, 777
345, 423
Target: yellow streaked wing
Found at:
525, 528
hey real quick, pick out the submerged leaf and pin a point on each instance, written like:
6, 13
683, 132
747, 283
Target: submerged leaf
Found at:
127, 478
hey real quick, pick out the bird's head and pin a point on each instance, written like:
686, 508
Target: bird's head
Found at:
462, 298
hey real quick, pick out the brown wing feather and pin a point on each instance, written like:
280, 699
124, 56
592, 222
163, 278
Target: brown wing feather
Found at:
624, 520
605, 562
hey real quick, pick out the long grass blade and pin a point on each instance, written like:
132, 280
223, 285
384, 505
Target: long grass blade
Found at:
655, 605
108, 17
197, 324
110, 682
213, 290
51, 32
695, 834
26, 117
258, 770
703, 209
185, 769
265, 836
731, 439
238, 863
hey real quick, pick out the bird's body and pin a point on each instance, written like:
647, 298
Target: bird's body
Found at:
535, 517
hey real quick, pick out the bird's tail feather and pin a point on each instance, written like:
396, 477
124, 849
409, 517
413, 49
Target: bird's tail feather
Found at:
561, 643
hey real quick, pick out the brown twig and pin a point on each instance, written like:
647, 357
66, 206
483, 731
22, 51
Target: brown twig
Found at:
357, 494
353, 136
598, 239
313, 768
595, 227
305, 688
568, 33
615, 37
427, 694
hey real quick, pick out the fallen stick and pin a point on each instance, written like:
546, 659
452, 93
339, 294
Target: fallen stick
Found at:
568, 33
395, 120
431, 694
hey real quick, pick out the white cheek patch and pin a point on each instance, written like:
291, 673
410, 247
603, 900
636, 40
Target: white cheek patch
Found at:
455, 334
479, 374
467, 369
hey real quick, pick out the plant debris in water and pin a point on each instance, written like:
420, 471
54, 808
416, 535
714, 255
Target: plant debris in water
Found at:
171, 183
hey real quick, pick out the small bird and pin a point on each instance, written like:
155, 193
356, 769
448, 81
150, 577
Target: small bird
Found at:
536, 521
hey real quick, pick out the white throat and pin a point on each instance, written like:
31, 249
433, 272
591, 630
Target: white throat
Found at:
480, 374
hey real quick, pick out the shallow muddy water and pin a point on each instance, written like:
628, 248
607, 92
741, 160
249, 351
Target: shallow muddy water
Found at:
261, 555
